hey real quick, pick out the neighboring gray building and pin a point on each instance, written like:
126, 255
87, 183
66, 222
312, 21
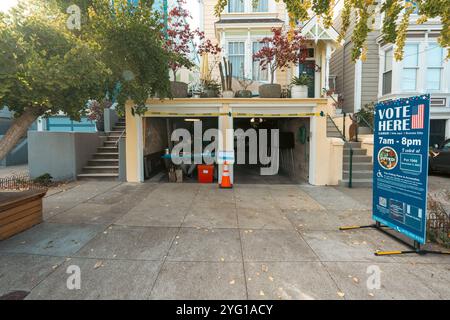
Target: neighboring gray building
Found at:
422, 70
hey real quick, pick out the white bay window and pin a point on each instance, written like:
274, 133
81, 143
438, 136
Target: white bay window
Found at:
410, 67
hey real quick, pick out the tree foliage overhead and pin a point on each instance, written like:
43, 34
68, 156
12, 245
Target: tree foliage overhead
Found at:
130, 38
395, 22
44, 68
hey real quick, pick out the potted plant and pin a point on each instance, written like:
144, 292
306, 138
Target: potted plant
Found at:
226, 69
282, 50
211, 88
245, 83
299, 86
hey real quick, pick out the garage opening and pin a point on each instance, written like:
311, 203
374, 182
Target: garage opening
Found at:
293, 154
157, 134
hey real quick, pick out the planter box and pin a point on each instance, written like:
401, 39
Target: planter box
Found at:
19, 211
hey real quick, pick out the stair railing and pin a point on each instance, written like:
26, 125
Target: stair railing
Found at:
120, 137
350, 171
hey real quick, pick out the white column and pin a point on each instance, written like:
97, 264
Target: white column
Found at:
327, 65
312, 150
358, 85
226, 141
140, 148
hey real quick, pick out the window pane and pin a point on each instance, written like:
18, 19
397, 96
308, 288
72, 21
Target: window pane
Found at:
236, 6
433, 80
387, 82
236, 57
258, 73
410, 56
261, 6
388, 60
434, 56
409, 79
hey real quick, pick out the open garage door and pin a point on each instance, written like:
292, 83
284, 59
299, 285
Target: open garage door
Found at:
293, 156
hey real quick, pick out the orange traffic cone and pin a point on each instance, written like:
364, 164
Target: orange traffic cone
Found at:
226, 182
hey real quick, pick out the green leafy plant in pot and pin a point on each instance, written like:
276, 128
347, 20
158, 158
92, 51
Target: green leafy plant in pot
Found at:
299, 86
211, 88
279, 52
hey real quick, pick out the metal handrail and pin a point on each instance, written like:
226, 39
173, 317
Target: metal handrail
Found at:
360, 117
350, 172
120, 137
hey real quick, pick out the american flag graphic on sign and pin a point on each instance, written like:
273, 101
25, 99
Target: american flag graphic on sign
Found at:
418, 115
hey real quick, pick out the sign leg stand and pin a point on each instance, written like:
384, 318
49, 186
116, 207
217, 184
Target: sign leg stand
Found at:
416, 248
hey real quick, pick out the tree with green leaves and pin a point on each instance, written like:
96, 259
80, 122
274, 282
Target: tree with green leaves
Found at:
131, 42
395, 22
44, 68
47, 68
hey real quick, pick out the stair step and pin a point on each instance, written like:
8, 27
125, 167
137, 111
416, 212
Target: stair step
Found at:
103, 162
358, 174
108, 148
353, 144
106, 155
98, 176
101, 169
358, 166
357, 183
356, 152
357, 158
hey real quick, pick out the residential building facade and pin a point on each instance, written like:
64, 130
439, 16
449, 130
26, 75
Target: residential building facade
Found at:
241, 26
380, 77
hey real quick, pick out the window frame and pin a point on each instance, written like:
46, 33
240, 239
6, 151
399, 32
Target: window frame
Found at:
414, 68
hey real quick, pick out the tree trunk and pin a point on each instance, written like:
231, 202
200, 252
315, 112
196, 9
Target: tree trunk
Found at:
18, 129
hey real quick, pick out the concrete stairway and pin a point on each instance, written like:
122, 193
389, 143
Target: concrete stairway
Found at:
104, 164
362, 166
332, 131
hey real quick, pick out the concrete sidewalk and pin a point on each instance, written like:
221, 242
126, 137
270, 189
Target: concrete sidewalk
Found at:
192, 241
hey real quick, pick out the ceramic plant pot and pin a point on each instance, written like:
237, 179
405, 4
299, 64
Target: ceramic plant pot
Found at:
179, 89
299, 92
270, 90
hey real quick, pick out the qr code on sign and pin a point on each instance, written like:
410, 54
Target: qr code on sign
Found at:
382, 201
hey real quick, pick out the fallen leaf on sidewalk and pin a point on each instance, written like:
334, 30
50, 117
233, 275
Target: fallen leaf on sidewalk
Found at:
340, 294
264, 268
355, 279
98, 264
232, 282
261, 293
271, 278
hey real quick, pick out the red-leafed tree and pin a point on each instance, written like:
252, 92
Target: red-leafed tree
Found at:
180, 38
281, 50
